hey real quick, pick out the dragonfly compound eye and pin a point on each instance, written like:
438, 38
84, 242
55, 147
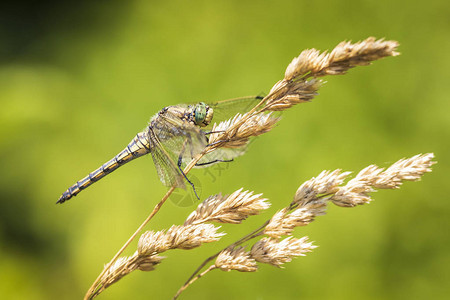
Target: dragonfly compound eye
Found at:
202, 114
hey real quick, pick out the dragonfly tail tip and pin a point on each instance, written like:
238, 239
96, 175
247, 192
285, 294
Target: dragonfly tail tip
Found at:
64, 197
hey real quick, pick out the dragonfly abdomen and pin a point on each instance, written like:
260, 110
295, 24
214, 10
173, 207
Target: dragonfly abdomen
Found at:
138, 147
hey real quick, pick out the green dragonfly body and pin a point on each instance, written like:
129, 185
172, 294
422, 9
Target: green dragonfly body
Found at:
173, 137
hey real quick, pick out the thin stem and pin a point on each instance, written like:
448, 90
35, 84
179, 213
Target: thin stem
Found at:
150, 216
212, 267
92, 292
244, 239
293, 205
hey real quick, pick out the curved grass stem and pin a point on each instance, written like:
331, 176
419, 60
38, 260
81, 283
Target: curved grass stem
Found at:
195, 276
96, 286
212, 267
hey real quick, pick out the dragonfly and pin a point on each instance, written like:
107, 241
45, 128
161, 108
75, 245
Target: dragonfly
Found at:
173, 137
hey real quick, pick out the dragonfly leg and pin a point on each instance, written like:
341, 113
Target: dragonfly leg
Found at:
217, 142
213, 161
180, 161
185, 177
217, 131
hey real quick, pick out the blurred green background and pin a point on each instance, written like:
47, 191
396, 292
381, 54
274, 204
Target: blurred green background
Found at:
78, 79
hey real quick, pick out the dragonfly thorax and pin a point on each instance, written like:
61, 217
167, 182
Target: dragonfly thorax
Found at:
201, 114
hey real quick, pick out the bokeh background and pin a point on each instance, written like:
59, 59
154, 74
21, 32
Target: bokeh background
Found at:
78, 79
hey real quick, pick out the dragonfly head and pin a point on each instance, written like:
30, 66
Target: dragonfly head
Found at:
203, 114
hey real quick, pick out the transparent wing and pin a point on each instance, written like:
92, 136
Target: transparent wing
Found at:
166, 167
226, 109
179, 138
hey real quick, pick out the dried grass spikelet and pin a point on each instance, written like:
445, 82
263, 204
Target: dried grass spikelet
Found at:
284, 222
310, 201
192, 236
292, 94
309, 61
121, 267
343, 57
326, 182
232, 208
275, 252
236, 259
148, 263
356, 191
152, 242
346, 55
406, 169
227, 134
312, 197
127, 264
296, 88
177, 237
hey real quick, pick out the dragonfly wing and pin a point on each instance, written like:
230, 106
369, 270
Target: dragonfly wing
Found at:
220, 155
226, 109
166, 166
179, 138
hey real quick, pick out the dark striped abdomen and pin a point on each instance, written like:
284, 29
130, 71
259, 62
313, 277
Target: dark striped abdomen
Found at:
138, 147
